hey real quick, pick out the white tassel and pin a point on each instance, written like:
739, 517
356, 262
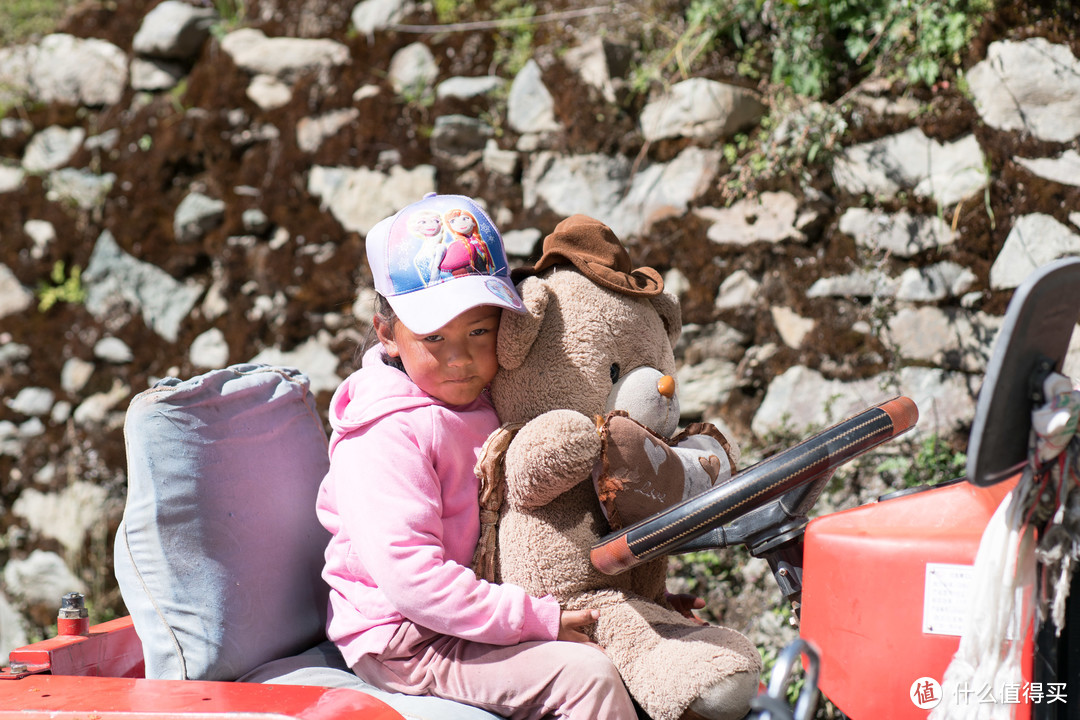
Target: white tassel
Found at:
987, 659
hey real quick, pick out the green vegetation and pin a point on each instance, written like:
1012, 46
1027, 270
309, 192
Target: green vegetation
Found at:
811, 53
452, 11
23, 21
819, 48
932, 462
231, 14
61, 287
514, 43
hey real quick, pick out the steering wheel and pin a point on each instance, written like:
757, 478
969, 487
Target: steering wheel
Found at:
749, 489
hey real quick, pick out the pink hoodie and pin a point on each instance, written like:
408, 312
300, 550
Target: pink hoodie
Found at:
401, 502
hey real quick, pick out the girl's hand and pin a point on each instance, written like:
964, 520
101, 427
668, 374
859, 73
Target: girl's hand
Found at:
685, 604
571, 622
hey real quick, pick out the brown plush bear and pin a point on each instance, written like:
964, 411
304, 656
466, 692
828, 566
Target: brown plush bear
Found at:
564, 366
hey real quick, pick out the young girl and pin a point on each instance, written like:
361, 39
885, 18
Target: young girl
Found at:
401, 503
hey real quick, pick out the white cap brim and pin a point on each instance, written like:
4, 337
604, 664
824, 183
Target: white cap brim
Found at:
426, 310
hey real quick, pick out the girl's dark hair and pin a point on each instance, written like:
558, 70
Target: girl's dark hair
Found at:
386, 314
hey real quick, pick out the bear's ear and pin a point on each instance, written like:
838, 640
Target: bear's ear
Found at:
670, 312
517, 331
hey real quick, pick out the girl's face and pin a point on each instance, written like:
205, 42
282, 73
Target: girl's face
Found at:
456, 362
426, 224
462, 224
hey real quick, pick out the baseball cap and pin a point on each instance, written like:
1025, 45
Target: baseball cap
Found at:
437, 258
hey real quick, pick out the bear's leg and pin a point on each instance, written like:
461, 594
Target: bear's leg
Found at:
669, 663
729, 699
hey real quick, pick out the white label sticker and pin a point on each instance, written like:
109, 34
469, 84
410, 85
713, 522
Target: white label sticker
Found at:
947, 601
946, 598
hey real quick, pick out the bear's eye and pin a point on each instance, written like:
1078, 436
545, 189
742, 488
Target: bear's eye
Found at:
616, 372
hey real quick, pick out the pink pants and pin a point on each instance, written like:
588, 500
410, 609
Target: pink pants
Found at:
532, 680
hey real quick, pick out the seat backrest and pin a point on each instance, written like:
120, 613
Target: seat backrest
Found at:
219, 553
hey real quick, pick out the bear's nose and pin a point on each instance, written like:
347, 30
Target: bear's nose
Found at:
666, 386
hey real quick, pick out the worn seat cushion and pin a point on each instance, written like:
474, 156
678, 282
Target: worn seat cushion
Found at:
219, 553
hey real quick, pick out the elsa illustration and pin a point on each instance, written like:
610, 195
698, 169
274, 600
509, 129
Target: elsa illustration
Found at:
427, 225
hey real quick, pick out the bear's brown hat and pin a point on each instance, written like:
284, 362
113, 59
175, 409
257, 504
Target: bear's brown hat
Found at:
591, 247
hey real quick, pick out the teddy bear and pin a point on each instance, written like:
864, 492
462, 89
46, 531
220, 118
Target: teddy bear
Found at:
594, 349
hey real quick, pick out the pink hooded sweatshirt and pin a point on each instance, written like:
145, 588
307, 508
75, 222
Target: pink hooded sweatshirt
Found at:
401, 502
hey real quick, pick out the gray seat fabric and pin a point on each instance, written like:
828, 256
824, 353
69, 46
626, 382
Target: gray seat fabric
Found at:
323, 666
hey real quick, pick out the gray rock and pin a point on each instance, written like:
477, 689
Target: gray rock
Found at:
530, 108
413, 72
859, 283
521, 243
66, 516
209, 350
14, 298
153, 75
85, 189
600, 63
467, 88
901, 234
946, 338
459, 140
268, 92
803, 401
32, 401
911, 161
114, 278
42, 233
371, 16
113, 350
1031, 86
792, 327
12, 127
604, 188
103, 141
174, 30
10, 442
770, 217
1064, 169
359, 197
42, 578
676, 283
61, 412
95, 410
12, 628
738, 290
715, 340
1034, 240
12, 353
312, 357
75, 374
11, 177
197, 215
52, 148
77, 71
312, 131
255, 221
702, 109
497, 160
703, 385
285, 58
934, 282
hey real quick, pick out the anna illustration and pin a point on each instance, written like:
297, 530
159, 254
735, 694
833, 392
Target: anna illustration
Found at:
466, 253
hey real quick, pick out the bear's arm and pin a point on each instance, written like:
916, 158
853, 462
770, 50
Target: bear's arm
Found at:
549, 455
